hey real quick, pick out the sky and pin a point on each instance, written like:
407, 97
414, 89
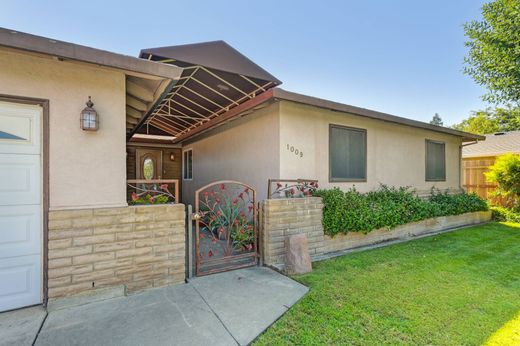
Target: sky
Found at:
403, 57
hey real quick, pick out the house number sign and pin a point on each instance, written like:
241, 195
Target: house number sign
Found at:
294, 150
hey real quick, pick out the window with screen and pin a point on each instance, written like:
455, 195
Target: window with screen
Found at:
435, 161
187, 164
347, 154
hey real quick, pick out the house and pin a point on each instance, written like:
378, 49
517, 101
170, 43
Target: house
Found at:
478, 157
82, 130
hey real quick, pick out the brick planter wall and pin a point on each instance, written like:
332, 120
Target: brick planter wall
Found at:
280, 218
137, 246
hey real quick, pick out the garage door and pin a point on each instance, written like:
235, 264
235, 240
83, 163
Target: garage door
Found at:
20, 206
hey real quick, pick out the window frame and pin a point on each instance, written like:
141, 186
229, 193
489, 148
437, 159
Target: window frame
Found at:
347, 180
426, 141
184, 164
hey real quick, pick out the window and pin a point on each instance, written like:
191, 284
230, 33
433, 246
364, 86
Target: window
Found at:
148, 168
187, 164
347, 154
435, 161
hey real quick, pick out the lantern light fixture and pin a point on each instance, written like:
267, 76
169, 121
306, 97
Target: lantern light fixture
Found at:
89, 118
172, 157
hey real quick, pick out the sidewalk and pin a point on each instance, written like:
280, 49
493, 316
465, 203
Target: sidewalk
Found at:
223, 309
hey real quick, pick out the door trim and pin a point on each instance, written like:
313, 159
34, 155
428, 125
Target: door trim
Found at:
44, 103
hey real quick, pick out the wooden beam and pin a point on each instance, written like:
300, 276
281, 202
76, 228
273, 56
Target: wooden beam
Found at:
135, 103
133, 113
263, 97
132, 120
139, 91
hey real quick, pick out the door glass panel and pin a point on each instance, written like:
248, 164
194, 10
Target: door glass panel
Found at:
148, 168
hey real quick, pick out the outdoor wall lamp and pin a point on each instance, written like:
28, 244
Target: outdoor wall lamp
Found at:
89, 118
172, 157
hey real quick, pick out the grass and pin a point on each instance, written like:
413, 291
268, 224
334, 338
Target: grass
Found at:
458, 288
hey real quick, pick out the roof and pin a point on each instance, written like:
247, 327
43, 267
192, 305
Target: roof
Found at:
495, 144
214, 54
66, 50
216, 79
341, 107
281, 94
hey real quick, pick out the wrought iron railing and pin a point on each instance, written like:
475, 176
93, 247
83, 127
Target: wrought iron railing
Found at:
156, 191
291, 188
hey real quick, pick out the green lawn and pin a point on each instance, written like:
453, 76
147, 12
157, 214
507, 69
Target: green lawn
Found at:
458, 288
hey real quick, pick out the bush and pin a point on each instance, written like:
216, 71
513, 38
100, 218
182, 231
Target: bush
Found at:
388, 207
506, 173
505, 214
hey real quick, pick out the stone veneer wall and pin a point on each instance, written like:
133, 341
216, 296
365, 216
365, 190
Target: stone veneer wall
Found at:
138, 247
280, 218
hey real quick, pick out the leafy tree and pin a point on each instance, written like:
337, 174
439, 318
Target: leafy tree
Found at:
506, 173
437, 120
494, 51
491, 120
480, 122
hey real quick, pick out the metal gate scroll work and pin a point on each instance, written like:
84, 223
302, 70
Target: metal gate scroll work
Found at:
226, 229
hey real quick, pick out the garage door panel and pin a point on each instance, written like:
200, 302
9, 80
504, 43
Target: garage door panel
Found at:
20, 206
20, 230
19, 278
19, 128
19, 179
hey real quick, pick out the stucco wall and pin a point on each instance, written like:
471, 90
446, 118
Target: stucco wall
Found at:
87, 169
245, 150
395, 153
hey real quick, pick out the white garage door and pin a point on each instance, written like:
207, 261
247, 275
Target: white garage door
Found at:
20, 206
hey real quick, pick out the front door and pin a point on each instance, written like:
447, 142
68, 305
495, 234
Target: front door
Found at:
20, 206
148, 164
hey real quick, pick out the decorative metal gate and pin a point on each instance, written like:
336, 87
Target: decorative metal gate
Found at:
225, 227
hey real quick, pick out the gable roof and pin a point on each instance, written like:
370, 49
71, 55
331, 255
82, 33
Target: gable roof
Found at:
495, 144
214, 54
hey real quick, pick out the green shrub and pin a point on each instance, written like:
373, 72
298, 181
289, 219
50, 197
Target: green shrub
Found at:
505, 214
506, 173
388, 207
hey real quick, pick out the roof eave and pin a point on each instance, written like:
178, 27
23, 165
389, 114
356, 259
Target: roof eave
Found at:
336, 106
66, 50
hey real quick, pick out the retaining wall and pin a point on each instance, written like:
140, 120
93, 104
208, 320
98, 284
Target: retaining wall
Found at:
280, 218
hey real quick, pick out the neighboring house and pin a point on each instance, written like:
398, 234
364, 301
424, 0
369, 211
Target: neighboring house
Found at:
203, 112
478, 157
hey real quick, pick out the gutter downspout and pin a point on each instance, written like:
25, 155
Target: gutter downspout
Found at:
460, 163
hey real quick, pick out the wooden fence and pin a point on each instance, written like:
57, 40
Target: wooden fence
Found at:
474, 179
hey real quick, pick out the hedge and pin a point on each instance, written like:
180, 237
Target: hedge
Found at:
388, 207
505, 214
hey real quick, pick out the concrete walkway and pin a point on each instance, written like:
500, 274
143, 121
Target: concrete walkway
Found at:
223, 309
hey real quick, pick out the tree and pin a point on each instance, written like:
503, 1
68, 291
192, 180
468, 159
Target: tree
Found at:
480, 122
437, 120
501, 119
494, 51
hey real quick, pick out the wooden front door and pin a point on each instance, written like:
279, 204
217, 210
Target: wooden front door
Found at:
148, 164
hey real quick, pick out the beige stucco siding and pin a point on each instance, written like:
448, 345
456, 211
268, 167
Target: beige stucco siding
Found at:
87, 169
245, 150
395, 153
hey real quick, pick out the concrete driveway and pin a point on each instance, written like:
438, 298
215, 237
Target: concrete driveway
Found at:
230, 308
